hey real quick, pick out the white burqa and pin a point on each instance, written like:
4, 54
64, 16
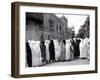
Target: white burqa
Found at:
47, 50
36, 53
83, 48
68, 44
57, 49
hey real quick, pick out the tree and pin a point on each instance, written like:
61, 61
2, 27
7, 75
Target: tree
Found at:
84, 30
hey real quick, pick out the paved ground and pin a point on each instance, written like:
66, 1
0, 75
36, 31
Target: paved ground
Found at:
66, 63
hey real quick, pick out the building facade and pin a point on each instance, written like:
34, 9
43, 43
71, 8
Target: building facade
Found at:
45, 26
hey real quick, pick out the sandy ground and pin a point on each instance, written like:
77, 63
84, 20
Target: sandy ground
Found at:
66, 63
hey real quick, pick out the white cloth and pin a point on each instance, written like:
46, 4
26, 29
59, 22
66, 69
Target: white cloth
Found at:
83, 48
36, 53
57, 49
47, 50
87, 45
68, 44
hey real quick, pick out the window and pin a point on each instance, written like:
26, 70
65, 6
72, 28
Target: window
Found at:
60, 28
57, 28
51, 25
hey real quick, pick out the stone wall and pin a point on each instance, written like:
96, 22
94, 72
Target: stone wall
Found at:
52, 27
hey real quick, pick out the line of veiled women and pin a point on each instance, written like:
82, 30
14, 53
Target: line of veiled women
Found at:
39, 53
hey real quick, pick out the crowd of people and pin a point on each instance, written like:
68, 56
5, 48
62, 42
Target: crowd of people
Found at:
39, 53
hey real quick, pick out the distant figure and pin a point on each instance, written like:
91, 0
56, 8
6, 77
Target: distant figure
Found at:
52, 51
28, 55
43, 51
63, 51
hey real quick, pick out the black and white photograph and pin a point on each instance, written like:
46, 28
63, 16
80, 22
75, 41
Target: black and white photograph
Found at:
52, 39
57, 39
